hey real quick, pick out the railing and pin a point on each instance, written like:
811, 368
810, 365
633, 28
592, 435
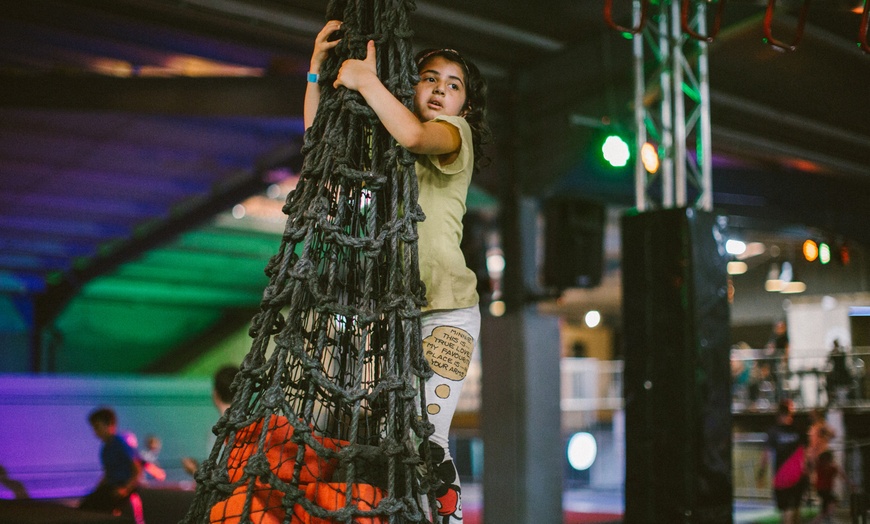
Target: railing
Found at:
591, 386
591, 392
760, 381
588, 385
592, 401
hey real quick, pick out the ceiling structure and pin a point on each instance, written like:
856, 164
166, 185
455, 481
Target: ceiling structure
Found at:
133, 129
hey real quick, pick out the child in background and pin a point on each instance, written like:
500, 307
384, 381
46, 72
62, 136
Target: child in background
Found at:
122, 469
826, 472
786, 449
222, 397
149, 456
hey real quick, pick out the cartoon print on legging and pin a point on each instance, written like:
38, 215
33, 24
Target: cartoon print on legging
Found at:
448, 494
448, 351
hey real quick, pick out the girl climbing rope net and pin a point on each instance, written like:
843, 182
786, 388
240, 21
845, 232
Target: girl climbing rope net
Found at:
346, 419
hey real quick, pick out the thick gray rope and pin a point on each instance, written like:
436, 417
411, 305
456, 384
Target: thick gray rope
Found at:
336, 344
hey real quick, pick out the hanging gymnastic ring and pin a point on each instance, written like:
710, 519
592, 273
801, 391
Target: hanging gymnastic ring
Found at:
608, 17
684, 21
799, 32
865, 22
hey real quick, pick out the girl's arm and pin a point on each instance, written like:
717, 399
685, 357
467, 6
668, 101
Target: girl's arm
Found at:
321, 49
427, 138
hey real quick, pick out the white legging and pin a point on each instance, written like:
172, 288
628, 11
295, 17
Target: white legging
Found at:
449, 339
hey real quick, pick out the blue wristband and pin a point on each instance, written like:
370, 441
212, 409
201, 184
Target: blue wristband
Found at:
313, 77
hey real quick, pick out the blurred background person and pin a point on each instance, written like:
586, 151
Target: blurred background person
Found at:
786, 450
122, 469
149, 455
839, 377
776, 351
222, 396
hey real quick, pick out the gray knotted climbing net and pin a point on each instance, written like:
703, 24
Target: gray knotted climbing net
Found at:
328, 426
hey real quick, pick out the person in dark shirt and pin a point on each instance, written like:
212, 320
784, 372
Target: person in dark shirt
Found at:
786, 449
776, 352
222, 396
839, 377
122, 469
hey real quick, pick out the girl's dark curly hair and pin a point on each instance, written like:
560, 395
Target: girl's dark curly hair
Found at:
475, 99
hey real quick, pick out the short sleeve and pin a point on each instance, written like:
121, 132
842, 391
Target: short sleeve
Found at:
466, 152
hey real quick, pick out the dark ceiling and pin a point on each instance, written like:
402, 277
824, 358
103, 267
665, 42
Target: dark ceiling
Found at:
130, 130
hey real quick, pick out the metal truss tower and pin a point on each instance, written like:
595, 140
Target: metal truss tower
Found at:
672, 105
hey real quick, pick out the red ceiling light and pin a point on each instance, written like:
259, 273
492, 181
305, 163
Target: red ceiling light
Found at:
845, 255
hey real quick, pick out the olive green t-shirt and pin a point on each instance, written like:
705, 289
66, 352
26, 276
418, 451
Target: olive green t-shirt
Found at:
449, 283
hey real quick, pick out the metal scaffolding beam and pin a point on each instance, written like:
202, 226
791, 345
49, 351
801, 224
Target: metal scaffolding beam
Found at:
672, 108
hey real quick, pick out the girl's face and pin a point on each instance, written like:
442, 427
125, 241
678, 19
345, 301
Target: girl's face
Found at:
441, 90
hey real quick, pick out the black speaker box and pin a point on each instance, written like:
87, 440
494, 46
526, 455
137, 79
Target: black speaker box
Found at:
676, 376
573, 243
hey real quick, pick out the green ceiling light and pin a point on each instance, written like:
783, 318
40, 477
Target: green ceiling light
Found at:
824, 253
615, 151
